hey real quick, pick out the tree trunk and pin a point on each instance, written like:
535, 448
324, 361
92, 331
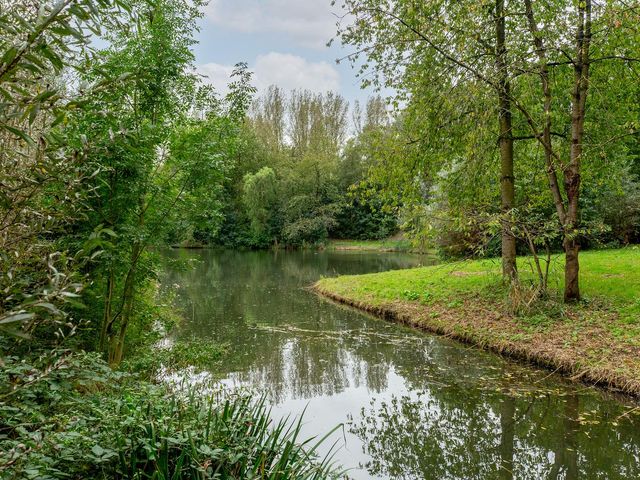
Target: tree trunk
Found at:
572, 172
127, 311
571, 270
507, 179
549, 155
107, 317
116, 341
570, 215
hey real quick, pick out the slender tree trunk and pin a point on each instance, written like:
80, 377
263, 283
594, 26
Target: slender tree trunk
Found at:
572, 172
507, 178
107, 317
536, 260
569, 214
116, 340
127, 312
571, 270
550, 156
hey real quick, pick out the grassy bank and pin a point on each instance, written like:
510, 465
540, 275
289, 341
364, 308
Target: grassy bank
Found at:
596, 341
386, 245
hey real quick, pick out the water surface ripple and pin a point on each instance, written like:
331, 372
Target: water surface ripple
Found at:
415, 406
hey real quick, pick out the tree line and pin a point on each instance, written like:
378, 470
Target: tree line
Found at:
291, 186
112, 146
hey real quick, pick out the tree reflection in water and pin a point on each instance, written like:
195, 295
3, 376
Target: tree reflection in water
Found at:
477, 416
429, 436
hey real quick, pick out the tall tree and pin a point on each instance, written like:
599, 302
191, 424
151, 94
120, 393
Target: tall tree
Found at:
164, 145
429, 43
507, 180
570, 53
269, 117
518, 47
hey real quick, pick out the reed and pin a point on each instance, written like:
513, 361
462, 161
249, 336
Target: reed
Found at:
203, 437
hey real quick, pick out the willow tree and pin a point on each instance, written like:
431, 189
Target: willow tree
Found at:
439, 46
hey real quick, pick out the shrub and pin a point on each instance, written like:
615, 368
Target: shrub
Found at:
67, 415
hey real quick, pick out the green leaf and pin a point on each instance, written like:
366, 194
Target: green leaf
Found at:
21, 134
55, 60
98, 451
16, 317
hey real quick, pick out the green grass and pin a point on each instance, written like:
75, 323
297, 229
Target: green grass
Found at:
610, 274
597, 339
385, 245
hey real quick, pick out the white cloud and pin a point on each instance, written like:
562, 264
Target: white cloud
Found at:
291, 71
308, 22
216, 75
285, 70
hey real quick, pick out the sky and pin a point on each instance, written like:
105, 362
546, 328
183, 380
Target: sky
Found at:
283, 41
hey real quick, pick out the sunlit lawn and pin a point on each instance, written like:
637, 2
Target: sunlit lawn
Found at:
388, 244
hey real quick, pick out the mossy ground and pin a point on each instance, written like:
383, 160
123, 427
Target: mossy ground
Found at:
596, 340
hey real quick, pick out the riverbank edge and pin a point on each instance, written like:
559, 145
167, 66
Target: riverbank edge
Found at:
347, 248
382, 246
409, 314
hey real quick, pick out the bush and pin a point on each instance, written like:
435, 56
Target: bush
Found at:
67, 415
364, 221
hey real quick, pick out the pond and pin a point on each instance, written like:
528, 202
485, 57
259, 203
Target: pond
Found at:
413, 405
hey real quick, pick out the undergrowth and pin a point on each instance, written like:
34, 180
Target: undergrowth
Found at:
68, 415
169, 356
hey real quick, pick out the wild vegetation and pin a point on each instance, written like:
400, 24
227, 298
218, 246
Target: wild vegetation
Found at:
514, 128
110, 144
294, 185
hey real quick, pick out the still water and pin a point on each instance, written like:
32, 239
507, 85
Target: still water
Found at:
414, 406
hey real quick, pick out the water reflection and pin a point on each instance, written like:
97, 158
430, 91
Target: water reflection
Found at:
492, 436
417, 406
286, 340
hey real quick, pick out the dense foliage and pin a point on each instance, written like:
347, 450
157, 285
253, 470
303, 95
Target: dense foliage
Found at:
292, 183
97, 423
111, 146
